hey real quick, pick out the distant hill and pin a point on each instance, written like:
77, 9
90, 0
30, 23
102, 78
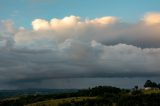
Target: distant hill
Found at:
25, 92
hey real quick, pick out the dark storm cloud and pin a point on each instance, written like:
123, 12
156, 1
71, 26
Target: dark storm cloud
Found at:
101, 47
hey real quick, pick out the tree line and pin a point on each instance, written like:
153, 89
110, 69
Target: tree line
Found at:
106, 96
151, 84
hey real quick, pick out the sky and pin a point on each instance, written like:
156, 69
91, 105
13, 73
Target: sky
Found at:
22, 12
70, 42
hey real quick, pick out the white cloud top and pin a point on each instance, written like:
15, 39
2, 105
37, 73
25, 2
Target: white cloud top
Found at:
70, 22
40, 24
152, 18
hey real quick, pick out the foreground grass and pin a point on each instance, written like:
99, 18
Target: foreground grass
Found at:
56, 102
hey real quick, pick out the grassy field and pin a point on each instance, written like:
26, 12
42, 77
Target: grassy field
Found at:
55, 102
151, 91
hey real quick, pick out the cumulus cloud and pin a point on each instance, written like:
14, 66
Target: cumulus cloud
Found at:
72, 47
66, 22
39, 24
152, 18
107, 30
6, 31
70, 22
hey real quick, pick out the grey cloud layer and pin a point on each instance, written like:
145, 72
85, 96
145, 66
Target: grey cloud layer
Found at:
101, 47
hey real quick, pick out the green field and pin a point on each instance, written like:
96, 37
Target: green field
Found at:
56, 102
151, 91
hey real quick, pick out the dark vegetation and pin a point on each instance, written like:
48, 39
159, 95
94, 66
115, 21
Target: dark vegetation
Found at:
151, 84
105, 96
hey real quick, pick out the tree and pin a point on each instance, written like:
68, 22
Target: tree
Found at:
136, 87
158, 85
154, 84
149, 83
